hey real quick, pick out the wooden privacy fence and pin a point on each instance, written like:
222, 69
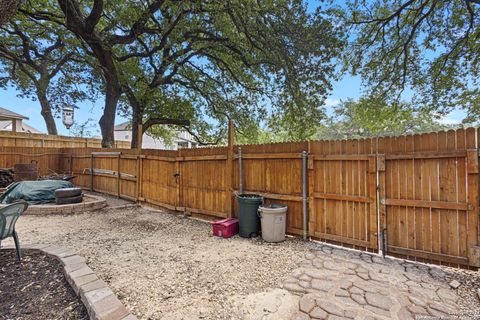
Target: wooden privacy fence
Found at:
22, 139
411, 196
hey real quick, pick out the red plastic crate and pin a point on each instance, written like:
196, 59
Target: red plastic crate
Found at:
225, 228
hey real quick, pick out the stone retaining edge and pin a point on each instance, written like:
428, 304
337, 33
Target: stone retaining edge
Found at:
99, 300
47, 209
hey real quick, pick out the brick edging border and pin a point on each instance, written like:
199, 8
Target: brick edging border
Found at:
95, 203
99, 300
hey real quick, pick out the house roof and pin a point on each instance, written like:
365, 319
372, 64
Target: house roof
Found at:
7, 114
6, 125
124, 126
181, 136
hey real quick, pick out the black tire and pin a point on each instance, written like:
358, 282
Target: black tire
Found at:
68, 200
68, 192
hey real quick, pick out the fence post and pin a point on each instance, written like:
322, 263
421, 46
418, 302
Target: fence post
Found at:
382, 208
240, 171
118, 175
139, 162
178, 182
372, 193
91, 171
312, 217
139, 176
229, 169
473, 234
304, 194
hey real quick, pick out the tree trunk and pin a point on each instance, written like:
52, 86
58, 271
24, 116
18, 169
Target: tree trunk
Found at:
47, 112
137, 119
107, 121
102, 50
134, 143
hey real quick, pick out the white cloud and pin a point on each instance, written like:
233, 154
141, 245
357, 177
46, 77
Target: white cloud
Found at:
449, 120
331, 102
454, 117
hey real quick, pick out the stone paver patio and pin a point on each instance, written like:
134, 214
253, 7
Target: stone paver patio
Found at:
340, 284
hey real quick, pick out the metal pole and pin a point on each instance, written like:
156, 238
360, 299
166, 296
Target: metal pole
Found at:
240, 171
304, 193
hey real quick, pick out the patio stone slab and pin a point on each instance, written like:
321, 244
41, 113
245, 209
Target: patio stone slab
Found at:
350, 285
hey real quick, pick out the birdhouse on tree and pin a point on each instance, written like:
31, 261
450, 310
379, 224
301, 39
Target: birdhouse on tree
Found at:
67, 116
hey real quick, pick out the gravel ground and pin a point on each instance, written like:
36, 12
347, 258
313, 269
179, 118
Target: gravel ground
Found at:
165, 266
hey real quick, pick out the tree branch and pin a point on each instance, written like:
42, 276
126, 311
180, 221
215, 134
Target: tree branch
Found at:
153, 121
94, 17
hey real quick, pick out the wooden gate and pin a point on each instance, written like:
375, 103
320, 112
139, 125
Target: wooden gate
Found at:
429, 206
343, 199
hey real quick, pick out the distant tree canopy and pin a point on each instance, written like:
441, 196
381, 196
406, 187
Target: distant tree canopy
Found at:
197, 64
375, 116
353, 119
429, 47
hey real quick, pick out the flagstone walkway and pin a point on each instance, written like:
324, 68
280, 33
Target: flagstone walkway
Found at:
341, 284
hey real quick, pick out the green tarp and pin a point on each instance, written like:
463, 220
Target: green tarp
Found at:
34, 192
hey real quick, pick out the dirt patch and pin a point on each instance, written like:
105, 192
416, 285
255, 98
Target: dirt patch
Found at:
36, 289
112, 201
164, 266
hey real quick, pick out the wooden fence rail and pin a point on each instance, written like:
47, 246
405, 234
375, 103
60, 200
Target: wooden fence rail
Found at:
411, 196
22, 139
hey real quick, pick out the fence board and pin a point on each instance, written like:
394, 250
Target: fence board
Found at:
344, 192
427, 198
33, 140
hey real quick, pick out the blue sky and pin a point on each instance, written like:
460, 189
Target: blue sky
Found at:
348, 87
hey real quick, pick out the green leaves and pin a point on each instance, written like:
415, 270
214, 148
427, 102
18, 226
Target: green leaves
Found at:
426, 46
44, 62
375, 116
249, 61
253, 61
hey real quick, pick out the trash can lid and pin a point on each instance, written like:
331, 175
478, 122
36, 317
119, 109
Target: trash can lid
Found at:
250, 199
274, 206
249, 196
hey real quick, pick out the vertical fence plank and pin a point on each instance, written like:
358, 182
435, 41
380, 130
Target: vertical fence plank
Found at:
381, 186
434, 187
457, 231
473, 232
410, 213
311, 175
229, 170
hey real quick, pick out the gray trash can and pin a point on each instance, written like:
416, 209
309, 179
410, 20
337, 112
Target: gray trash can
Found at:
273, 219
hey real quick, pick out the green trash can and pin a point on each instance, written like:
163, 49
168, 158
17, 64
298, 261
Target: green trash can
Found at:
248, 220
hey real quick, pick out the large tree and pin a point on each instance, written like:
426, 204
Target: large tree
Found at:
43, 63
427, 49
203, 62
219, 59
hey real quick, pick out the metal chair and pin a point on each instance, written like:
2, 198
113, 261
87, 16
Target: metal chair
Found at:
8, 217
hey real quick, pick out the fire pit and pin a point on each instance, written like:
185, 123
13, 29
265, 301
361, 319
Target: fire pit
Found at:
90, 203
